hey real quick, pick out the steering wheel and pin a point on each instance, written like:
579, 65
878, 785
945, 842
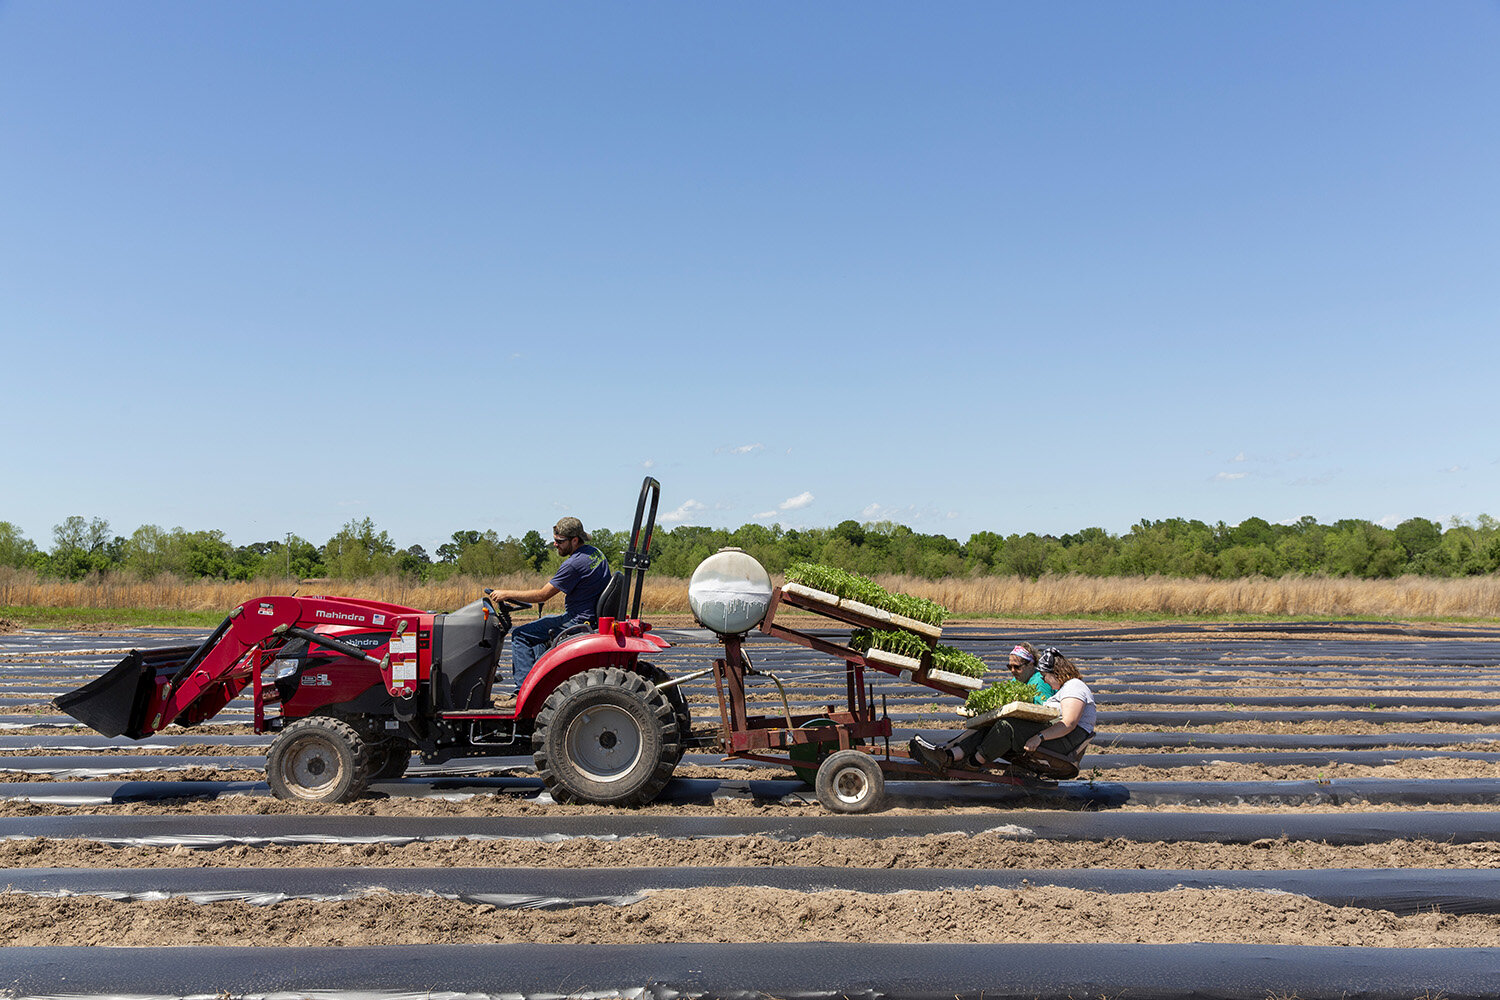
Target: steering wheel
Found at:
507, 603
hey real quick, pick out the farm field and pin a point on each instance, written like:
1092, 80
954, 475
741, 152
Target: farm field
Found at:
1306, 809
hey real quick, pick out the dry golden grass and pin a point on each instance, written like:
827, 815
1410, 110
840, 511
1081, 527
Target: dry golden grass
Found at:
23, 588
965, 597
1288, 596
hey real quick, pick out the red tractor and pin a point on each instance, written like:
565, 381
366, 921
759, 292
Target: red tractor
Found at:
352, 687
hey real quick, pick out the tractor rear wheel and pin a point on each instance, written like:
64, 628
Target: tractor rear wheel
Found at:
606, 736
318, 759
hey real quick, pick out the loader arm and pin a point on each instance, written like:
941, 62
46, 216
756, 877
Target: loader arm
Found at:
144, 694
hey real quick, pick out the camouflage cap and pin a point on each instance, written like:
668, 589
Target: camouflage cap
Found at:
570, 527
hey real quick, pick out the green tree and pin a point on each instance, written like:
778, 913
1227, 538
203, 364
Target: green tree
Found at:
1418, 536
1253, 531
983, 550
15, 548
246, 561
850, 531
1360, 548
534, 547
1026, 555
79, 547
200, 554
493, 556
1092, 552
295, 558
413, 561
1173, 547
763, 544
679, 551
1248, 560
359, 550
449, 551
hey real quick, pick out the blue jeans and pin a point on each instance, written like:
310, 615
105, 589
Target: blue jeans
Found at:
528, 642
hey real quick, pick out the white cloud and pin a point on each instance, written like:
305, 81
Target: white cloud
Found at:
1225, 477
1238, 458
765, 514
687, 510
740, 449
797, 502
1390, 521
649, 463
1454, 468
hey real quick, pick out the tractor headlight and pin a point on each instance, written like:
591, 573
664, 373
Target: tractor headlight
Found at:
729, 592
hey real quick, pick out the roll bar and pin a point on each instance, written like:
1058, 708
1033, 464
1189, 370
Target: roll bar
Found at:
638, 558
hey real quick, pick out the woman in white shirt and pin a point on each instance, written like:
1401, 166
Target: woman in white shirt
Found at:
1008, 738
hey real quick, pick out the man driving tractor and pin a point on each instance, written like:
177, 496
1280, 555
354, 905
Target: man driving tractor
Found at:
581, 578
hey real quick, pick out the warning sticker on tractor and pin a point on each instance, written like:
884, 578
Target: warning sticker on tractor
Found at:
404, 657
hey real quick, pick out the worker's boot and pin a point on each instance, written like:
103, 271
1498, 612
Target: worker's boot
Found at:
935, 759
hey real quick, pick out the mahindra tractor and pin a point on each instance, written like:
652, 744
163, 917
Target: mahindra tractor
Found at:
351, 688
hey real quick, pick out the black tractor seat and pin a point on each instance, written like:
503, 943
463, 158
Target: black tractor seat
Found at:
607, 606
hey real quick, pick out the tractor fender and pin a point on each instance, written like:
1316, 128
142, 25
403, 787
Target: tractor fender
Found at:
577, 655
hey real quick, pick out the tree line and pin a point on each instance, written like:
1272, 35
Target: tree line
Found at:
1172, 547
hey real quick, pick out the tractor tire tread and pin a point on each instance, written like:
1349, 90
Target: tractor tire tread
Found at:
656, 675
557, 775
334, 730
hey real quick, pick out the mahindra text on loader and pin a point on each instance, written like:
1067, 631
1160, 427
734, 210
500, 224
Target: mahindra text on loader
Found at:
351, 688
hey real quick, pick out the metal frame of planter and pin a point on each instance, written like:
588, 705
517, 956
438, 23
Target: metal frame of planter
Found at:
769, 738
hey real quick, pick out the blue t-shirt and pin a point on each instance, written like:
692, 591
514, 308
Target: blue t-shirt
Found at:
582, 577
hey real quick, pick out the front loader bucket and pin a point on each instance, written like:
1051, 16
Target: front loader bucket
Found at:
117, 703
114, 704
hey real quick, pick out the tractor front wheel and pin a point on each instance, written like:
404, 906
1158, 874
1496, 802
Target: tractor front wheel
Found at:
606, 736
318, 759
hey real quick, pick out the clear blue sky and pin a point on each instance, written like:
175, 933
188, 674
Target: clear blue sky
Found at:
266, 267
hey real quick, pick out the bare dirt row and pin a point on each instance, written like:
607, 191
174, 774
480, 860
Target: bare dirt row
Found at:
749, 915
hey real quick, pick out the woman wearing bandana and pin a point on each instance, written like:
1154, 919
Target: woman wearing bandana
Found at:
1023, 660
1008, 738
